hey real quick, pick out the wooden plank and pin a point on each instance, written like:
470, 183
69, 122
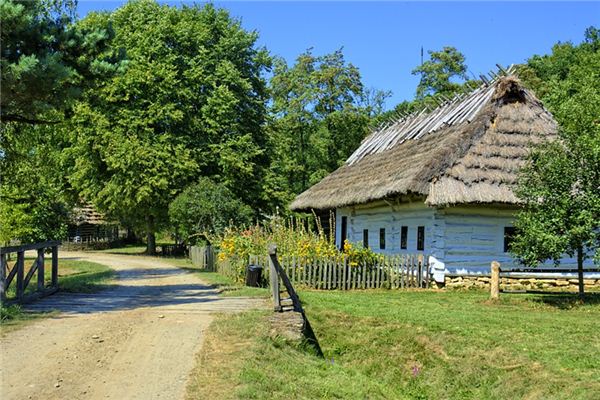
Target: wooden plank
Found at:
3, 284
20, 274
41, 262
426, 272
274, 280
344, 272
54, 266
32, 246
286, 281
364, 276
10, 277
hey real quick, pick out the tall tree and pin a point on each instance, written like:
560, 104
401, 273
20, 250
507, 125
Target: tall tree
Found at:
34, 193
438, 74
45, 59
561, 185
321, 112
189, 100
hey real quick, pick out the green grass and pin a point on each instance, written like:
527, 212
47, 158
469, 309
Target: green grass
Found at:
73, 276
412, 345
133, 249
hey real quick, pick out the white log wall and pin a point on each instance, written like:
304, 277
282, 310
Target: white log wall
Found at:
392, 218
465, 238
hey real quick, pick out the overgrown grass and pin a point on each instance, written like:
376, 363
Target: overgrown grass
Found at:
73, 276
412, 345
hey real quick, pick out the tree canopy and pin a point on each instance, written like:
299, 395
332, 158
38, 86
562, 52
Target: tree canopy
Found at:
561, 185
189, 100
438, 72
321, 111
46, 59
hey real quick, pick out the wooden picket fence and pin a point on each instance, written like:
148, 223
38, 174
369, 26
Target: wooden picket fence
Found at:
334, 273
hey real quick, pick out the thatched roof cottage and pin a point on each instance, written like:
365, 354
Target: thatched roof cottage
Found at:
439, 182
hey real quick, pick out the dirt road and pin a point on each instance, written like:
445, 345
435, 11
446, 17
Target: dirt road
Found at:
137, 340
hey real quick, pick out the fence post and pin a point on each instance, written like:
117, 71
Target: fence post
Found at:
274, 277
3, 267
55, 266
20, 274
495, 281
40, 269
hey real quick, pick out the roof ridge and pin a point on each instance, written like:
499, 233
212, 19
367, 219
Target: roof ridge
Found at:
462, 107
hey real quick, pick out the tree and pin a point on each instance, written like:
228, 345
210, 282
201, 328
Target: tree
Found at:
561, 185
34, 193
438, 72
46, 60
189, 100
321, 112
207, 208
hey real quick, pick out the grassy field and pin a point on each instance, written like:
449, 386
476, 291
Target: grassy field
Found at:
73, 276
411, 345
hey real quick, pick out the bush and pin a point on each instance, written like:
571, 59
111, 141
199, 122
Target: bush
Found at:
294, 237
207, 208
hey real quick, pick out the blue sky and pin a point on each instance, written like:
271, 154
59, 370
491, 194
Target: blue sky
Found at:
383, 39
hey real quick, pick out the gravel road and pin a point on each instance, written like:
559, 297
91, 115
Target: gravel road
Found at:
137, 340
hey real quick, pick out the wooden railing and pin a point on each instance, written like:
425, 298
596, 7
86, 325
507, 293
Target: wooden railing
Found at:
7, 275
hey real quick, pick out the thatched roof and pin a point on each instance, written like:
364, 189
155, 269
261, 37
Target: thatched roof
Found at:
87, 214
466, 151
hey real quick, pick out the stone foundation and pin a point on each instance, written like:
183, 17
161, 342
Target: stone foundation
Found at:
515, 283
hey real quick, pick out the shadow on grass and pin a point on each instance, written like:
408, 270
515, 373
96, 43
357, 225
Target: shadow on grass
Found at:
86, 282
560, 300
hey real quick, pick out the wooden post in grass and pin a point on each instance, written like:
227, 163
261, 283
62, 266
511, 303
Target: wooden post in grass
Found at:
495, 281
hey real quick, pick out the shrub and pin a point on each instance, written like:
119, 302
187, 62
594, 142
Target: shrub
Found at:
207, 208
294, 237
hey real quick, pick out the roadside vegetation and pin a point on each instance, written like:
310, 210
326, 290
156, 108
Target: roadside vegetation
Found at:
73, 276
411, 345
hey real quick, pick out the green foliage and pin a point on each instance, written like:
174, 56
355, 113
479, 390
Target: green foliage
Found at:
34, 194
189, 100
440, 80
321, 112
46, 60
207, 208
9, 312
437, 72
560, 186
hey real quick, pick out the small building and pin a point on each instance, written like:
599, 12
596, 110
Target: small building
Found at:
87, 226
440, 182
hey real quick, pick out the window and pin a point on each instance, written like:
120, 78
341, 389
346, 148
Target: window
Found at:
344, 232
382, 238
365, 238
509, 234
421, 238
403, 237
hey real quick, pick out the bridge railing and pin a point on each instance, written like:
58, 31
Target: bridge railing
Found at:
9, 273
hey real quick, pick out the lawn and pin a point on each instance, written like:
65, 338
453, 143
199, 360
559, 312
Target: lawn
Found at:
73, 276
411, 345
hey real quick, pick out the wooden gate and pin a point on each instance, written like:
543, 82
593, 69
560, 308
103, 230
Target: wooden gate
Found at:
7, 275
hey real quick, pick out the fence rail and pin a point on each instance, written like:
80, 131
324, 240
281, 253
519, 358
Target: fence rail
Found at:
334, 273
7, 273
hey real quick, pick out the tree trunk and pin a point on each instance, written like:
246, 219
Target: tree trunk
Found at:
580, 270
150, 237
